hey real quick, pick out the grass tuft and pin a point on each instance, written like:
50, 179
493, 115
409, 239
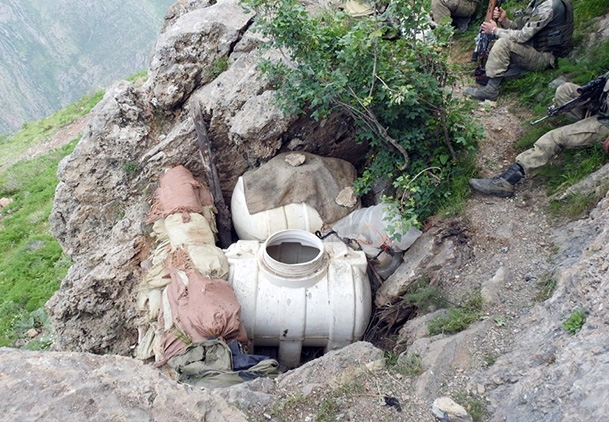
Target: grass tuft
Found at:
458, 318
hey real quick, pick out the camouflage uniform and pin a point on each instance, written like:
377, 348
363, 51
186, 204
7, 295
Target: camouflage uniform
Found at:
586, 131
582, 133
448, 9
514, 45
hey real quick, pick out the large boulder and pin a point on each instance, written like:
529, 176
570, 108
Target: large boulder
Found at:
550, 374
66, 386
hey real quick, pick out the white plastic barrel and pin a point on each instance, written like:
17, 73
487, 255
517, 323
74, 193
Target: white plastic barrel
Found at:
261, 225
296, 290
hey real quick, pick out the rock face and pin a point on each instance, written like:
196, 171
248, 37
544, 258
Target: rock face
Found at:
205, 54
552, 375
79, 386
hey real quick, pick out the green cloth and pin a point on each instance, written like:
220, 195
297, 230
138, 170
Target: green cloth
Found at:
208, 364
210, 378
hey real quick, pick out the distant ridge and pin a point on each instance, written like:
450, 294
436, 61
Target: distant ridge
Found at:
53, 52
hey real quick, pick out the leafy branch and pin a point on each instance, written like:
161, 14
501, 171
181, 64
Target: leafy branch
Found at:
393, 87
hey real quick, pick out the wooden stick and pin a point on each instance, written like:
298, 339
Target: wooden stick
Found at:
224, 217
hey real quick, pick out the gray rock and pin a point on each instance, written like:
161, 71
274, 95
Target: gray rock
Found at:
135, 133
433, 253
444, 355
490, 287
196, 42
549, 374
415, 329
322, 374
446, 410
63, 386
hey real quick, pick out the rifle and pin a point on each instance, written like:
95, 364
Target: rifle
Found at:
590, 95
482, 42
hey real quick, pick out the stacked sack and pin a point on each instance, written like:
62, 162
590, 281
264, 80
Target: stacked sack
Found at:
184, 297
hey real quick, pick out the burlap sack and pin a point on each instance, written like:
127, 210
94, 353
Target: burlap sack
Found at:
317, 182
194, 231
179, 192
196, 308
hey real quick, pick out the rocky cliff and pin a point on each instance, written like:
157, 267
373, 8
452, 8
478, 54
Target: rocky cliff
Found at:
136, 133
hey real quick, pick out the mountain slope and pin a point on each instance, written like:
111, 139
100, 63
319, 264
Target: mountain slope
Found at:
52, 52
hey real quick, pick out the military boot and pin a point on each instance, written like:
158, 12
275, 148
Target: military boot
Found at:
502, 185
489, 92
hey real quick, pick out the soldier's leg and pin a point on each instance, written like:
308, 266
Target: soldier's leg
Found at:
441, 10
505, 52
464, 9
580, 134
565, 93
497, 64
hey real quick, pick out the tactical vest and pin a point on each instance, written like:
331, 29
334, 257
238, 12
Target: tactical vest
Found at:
556, 35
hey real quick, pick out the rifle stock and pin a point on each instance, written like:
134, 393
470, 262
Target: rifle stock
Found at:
492, 4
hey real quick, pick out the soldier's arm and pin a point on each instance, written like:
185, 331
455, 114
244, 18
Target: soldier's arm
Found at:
542, 16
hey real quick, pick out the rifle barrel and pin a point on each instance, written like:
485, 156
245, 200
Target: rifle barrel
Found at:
539, 120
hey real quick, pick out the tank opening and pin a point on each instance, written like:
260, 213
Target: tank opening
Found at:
292, 252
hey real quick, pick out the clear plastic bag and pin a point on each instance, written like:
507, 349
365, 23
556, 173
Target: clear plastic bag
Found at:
369, 228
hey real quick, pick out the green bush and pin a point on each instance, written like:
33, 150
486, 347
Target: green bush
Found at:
458, 317
575, 321
395, 89
425, 297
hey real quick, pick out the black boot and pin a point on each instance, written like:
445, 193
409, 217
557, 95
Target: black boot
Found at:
461, 24
502, 185
489, 92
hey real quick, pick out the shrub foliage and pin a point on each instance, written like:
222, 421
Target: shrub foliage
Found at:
391, 74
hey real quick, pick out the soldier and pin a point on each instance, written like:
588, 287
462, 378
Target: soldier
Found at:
538, 35
459, 12
584, 132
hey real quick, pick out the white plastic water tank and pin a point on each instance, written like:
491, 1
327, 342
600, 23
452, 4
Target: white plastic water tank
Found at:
261, 225
296, 290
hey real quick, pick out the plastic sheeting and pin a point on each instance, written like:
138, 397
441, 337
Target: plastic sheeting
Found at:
369, 227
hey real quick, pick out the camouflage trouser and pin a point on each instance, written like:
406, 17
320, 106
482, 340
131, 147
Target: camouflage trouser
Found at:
582, 133
565, 93
447, 9
505, 52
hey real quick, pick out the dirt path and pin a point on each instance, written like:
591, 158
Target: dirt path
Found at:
64, 135
510, 246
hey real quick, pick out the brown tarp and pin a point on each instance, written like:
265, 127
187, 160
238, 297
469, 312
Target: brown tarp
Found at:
200, 308
317, 182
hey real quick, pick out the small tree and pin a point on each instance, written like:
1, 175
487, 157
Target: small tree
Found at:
391, 74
